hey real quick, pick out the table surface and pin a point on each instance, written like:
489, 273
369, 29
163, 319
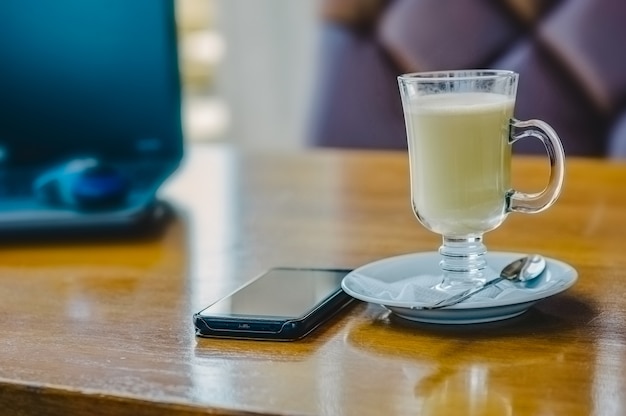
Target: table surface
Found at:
105, 327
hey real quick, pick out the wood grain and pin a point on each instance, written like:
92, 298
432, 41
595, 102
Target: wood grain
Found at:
104, 327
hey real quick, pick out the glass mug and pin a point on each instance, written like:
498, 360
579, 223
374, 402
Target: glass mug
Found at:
460, 131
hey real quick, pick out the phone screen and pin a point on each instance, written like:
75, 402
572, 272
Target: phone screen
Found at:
287, 301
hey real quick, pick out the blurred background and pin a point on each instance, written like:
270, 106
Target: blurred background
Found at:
279, 73
247, 70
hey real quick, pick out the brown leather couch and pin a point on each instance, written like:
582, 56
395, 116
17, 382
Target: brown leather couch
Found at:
571, 56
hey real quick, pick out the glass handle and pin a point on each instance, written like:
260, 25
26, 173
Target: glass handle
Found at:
536, 202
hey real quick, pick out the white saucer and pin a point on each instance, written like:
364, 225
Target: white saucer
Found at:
402, 285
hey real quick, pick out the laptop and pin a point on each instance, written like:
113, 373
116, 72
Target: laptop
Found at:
86, 80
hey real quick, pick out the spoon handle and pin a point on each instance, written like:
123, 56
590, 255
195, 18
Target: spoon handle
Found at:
460, 297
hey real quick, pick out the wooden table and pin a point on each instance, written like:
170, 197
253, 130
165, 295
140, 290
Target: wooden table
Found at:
105, 328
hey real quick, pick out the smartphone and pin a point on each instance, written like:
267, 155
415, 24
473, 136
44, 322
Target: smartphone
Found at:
281, 304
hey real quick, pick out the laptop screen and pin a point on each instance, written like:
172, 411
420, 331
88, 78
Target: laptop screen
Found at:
95, 77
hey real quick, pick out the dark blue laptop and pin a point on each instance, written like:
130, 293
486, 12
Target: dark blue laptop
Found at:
90, 122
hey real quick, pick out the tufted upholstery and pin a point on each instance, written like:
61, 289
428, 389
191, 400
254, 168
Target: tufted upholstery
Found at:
571, 56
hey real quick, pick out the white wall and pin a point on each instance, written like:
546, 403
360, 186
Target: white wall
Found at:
266, 75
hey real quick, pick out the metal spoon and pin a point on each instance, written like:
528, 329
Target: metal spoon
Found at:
521, 270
